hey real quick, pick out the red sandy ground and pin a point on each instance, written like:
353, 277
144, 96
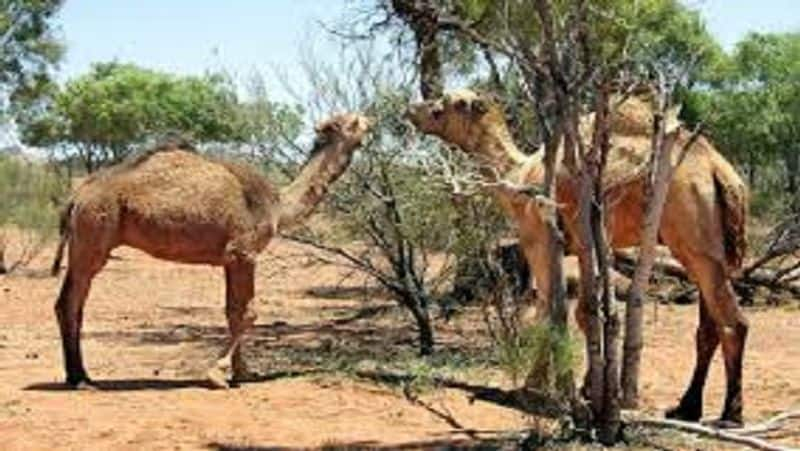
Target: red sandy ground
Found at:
151, 328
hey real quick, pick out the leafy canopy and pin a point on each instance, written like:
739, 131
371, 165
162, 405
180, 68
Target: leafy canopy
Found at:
106, 113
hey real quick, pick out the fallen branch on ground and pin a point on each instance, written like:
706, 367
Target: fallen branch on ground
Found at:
706, 431
751, 276
769, 425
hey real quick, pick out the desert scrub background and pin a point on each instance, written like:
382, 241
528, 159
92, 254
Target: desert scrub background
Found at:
31, 195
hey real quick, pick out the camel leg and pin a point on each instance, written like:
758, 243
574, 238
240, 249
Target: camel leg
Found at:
733, 343
239, 293
730, 329
690, 407
535, 309
69, 312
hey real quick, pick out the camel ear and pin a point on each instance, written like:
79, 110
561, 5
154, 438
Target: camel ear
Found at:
354, 124
329, 127
479, 106
461, 106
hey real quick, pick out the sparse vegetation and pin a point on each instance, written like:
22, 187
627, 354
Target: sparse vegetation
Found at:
30, 199
440, 307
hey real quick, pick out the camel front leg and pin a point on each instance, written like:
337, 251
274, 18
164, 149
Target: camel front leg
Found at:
536, 309
547, 278
239, 293
69, 312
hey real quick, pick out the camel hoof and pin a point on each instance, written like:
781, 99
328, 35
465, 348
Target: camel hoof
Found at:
216, 377
726, 424
87, 386
243, 376
684, 414
83, 385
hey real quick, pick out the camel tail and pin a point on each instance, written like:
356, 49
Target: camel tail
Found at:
732, 197
63, 232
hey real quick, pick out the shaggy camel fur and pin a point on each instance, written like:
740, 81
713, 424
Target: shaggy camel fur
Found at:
703, 222
178, 205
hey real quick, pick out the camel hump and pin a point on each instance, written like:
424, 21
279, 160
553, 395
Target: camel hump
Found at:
634, 117
167, 143
173, 141
732, 198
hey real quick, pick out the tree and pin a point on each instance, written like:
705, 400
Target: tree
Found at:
660, 169
475, 270
569, 57
29, 48
394, 224
263, 126
753, 110
102, 116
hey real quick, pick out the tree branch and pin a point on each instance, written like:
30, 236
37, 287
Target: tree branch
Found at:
710, 432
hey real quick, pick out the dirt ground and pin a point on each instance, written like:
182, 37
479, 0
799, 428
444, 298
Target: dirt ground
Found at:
152, 327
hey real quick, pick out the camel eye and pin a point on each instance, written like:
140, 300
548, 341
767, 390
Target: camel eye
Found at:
437, 113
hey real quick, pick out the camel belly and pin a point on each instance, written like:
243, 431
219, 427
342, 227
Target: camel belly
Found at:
179, 241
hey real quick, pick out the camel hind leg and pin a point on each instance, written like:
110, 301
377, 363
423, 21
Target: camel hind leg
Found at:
84, 264
690, 407
239, 293
721, 321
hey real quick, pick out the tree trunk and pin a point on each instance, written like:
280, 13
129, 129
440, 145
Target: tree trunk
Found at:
423, 19
418, 310
3, 268
610, 422
425, 332
558, 311
554, 240
88, 159
751, 173
792, 162
430, 76
587, 258
655, 196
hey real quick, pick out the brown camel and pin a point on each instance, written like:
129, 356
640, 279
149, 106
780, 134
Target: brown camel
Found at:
178, 205
703, 223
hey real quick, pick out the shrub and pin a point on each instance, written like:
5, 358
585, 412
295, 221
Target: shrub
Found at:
30, 195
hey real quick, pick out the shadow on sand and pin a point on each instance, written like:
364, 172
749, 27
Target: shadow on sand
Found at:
114, 385
433, 444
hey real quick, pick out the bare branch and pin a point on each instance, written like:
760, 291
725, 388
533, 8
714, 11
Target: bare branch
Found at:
717, 434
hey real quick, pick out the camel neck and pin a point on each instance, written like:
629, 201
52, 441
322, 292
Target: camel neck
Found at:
501, 160
497, 154
298, 200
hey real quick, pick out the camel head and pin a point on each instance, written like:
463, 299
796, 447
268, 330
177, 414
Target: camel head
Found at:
336, 140
347, 129
463, 117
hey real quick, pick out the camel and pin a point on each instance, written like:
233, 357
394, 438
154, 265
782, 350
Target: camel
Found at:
703, 221
178, 205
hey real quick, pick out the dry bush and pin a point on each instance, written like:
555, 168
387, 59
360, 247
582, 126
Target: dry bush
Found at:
525, 351
29, 198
